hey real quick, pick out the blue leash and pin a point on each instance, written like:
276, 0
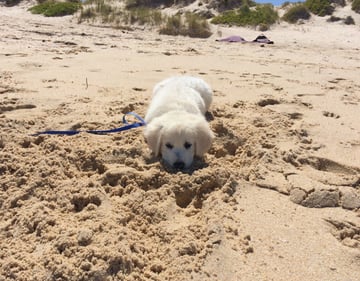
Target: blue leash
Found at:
99, 132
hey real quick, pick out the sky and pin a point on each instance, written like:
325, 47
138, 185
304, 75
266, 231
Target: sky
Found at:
277, 2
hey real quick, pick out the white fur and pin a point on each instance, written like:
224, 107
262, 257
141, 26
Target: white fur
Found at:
176, 126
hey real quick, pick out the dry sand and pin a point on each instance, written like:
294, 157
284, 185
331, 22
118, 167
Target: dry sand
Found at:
276, 198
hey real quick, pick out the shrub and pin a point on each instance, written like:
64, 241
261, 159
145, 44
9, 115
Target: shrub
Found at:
147, 3
261, 15
319, 7
349, 20
355, 6
263, 27
265, 14
296, 13
55, 9
285, 4
226, 5
11, 3
341, 3
192, 25
40, 8
333, 19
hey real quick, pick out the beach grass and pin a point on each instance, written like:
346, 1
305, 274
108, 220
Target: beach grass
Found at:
190, 24
144, 15
115, 15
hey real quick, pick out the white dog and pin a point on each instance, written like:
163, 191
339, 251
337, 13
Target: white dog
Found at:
176, 126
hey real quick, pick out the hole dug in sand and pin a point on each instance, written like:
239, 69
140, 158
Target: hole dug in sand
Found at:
197, 189
267, 101
184, 196
80, 202
323, 164
126, 176
119, 264
227, 141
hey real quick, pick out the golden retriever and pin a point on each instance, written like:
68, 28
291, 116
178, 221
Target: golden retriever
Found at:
176, 125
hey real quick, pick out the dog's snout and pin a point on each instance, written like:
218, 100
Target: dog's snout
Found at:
179, 165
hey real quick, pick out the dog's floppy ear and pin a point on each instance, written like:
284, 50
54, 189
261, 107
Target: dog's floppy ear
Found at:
204, 137
153, 136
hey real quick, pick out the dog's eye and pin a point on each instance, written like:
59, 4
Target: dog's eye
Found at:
169, 146
187, 145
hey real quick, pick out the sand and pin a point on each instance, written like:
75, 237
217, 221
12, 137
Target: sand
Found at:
276, 198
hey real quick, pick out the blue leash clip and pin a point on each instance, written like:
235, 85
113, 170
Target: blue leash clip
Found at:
127, 126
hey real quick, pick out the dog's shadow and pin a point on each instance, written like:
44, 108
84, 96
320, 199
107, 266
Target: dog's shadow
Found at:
198, 164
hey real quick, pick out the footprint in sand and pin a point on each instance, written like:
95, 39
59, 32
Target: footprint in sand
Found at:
6, 89
348, 233
6, 82
267, 101
30, 65
351, 99
327, 184
50, 83
330, 114
13, 104
295, 115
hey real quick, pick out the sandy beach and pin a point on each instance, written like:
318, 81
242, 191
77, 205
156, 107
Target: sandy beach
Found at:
276, 198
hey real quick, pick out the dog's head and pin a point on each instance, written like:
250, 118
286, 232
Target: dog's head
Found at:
178, 137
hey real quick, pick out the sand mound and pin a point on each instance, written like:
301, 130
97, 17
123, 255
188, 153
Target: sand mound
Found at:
61, 194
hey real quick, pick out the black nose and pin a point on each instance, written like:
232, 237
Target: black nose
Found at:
179, 165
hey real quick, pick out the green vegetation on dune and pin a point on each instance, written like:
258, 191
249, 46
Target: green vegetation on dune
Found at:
55, 9
320, 7
248, 16
226, 5
10, 3
296, 13
148, 3
193, 24
188, 24
355, 6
